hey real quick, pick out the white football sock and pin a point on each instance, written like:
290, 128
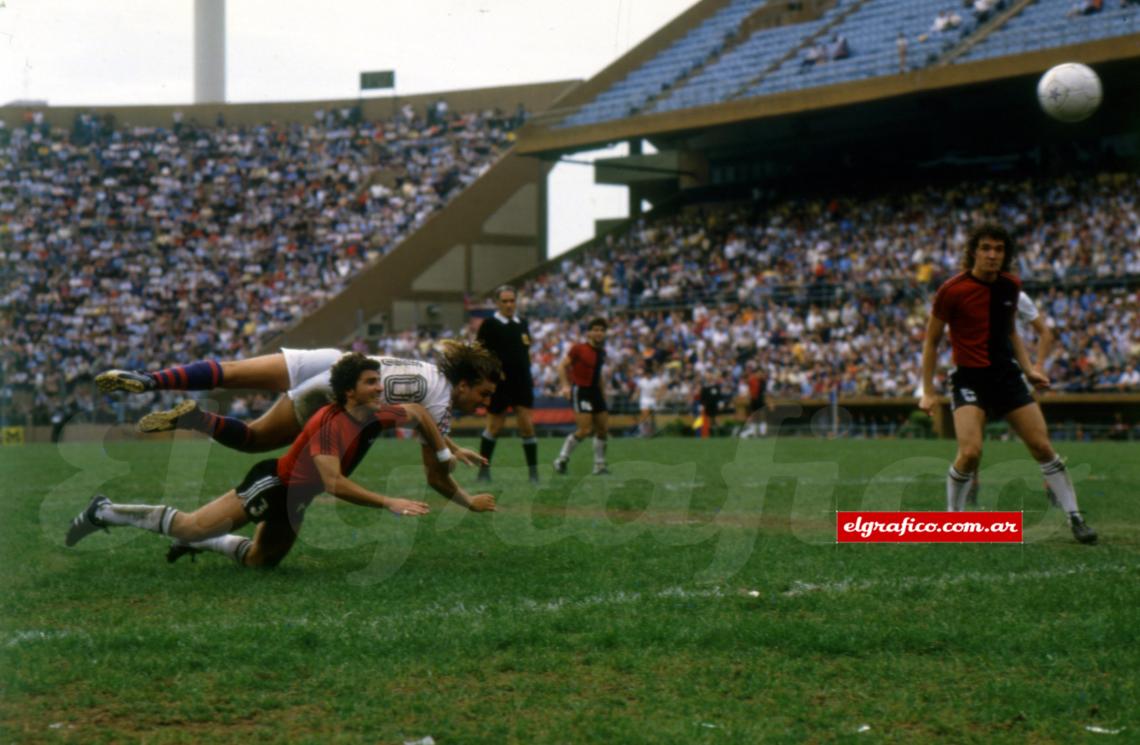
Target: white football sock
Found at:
568, 446
233, 546
1058, 481
599, 451
957, 487
155, 518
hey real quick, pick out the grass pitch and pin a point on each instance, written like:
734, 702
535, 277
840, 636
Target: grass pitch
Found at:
696, 595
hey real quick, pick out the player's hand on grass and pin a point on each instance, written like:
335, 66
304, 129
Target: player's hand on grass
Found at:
408, 508
927, 403
469, 457
482, 503
1038, 379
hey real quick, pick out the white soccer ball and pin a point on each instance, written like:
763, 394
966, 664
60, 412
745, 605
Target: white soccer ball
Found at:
1069, 92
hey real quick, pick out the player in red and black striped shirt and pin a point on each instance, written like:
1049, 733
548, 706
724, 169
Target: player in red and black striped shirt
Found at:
992, 373
276, 492
581, 376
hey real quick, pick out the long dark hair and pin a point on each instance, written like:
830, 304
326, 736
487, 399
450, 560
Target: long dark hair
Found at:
993, 231
468, 362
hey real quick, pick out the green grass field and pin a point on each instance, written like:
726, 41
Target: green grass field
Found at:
695, 596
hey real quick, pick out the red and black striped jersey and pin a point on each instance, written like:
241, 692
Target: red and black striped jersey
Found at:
980, 316
586, 363
331, 431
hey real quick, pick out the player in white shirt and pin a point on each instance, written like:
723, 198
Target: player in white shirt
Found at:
1028, 317
649, 388
465, 379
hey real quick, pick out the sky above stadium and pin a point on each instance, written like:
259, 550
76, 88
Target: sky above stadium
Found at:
102, 52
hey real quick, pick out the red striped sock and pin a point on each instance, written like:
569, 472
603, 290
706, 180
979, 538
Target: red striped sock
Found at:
197, 376
231, 432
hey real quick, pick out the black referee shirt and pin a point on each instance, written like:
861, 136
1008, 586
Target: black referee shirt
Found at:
510, 342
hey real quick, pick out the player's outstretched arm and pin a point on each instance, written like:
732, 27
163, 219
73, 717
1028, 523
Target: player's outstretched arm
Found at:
439, 478
342, 487
1044, 342
428, 428
934, 329
564, 375
463, 455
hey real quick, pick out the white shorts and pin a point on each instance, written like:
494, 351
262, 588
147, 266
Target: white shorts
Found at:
648, 405
309, 379
304, 364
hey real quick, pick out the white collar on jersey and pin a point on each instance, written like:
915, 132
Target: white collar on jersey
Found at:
504, 319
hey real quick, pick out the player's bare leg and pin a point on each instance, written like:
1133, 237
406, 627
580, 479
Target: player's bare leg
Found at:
584, 425
273, 429
975, 487
495, 423
1029, 424
267, 373
216, 518
204, 529
273, 540
601, 438
525, 418
487, 441
969, 426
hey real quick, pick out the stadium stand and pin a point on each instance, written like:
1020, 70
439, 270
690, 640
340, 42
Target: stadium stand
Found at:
144, 245
706, 69
632, 92
1049, 23
824, 294
134, 245
834, 292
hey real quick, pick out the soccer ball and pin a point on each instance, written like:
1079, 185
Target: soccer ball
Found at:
1069, 92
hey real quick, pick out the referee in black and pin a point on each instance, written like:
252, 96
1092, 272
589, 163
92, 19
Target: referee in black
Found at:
508, 337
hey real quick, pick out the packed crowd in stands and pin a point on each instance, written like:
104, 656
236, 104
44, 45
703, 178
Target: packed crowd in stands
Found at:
131, 246
833, 294
142, 247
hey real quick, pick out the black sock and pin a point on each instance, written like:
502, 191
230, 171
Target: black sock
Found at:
487, 446
530, 448
227, 430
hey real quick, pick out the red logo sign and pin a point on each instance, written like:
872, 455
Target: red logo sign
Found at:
928, 527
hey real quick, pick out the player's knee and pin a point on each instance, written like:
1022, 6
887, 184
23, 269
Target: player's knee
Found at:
260, 558
969, 456
187, 529
1041, 450
263, 437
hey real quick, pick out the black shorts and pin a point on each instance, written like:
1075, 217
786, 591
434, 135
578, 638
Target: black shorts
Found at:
512, 392
262, 494
997, 391
755, 404
587, 400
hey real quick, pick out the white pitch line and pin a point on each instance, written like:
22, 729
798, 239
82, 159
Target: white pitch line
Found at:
386, 623
902, 583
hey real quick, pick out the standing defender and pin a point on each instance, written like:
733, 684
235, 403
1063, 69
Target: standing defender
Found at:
992, 371
581, 376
